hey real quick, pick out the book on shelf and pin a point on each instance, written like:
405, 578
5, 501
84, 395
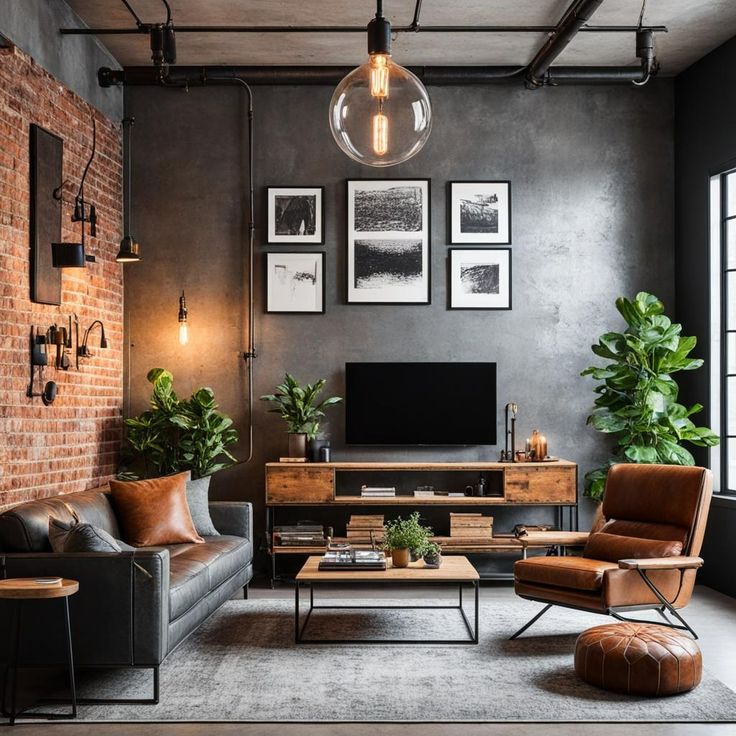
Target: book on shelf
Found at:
355, 559
425, 494
292, 459
366, 493
366, 521
471, 533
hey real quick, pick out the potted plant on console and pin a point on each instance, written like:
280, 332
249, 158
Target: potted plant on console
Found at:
402, 536
298, 406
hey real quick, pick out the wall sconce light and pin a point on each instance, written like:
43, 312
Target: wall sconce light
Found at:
130, 251
82, 350
183, 326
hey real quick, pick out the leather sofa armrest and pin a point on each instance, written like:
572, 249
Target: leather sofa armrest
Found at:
662, 563
233, 517
151, 581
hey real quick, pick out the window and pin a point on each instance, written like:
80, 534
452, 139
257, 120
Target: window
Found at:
723, 327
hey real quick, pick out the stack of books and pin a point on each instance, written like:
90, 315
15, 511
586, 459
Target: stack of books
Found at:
356, 559
471, 528
377, 491
361, 526
300, 535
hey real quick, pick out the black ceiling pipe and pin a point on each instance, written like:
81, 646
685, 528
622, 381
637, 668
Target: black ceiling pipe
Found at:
596, 74
576, 16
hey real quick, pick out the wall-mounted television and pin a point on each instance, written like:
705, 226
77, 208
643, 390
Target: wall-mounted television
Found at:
420, 403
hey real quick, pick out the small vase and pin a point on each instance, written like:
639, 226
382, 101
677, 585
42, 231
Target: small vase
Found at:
297, 444
400, 557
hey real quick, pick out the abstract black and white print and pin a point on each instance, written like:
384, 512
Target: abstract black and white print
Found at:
295, 215
480, 212
387, 263
388, 241
295, 282
480, 278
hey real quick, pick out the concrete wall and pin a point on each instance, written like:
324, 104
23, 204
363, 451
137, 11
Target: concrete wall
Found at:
592, 177
704, 145
33, 25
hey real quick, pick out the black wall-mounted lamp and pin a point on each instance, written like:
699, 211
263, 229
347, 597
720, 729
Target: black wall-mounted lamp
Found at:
130, 251
82, 350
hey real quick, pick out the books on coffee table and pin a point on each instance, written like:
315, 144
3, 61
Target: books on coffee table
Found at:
354, 559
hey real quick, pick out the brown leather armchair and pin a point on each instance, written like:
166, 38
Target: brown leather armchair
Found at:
644, 556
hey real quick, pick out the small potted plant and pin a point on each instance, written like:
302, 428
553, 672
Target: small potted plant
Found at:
432, 555
401, 536
298, 406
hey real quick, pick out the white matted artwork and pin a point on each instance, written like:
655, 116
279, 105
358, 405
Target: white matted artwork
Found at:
480, 278
480, 212
295, 215
295, 282
388, 241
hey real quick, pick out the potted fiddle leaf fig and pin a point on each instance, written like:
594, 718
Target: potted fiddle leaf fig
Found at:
298, 406
403, 536
637, 395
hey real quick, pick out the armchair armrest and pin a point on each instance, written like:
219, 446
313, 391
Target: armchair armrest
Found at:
662, 563
233, 517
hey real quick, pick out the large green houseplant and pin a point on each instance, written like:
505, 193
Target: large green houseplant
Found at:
298, 406
637, 395
177, 434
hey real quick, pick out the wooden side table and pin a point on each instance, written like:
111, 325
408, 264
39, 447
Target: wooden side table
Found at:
18, 590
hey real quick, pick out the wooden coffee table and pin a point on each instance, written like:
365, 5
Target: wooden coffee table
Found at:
455, 571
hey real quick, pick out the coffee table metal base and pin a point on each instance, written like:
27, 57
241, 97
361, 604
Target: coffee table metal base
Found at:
300, 626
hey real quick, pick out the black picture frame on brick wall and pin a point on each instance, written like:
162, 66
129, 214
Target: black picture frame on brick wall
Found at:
389, 248
287, 282
479, 278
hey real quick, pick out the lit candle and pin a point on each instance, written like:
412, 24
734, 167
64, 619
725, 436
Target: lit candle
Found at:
542, 447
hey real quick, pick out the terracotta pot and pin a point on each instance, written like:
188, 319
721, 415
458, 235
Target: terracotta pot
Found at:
400, 557
297, 445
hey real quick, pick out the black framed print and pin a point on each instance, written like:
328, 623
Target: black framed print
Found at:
480, 278
295, 282
295, 215
480, 212
388, 241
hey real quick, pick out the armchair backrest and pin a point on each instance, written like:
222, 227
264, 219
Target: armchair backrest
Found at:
665, 502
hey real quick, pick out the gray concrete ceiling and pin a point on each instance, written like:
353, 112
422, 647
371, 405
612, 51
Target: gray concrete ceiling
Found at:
695, 27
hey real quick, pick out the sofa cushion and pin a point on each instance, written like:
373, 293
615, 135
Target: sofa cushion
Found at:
75, 536
25, 527
154, 511
222, 555
198, 492
646, 530
564, 572
188, 584
614, 547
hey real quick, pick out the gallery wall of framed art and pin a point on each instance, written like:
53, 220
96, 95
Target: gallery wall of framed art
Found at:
295, 216
479, 212
295, 282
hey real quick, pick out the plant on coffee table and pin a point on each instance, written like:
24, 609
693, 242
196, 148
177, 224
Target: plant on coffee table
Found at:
401, 536
432, 555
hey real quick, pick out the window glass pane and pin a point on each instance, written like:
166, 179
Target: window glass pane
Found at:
731, 472
731, 406
730, 243
730, 195
731, 353
730, 297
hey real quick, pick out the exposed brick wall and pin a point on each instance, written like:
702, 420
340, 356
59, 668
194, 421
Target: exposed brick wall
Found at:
73, 444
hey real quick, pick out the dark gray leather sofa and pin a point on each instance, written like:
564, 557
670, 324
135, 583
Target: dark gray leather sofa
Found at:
132, 608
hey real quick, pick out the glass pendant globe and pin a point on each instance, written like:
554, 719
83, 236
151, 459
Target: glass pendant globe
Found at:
380, 114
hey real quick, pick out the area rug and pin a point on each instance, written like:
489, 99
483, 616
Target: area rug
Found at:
243, 665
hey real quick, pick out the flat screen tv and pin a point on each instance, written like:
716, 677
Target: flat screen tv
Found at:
420, 403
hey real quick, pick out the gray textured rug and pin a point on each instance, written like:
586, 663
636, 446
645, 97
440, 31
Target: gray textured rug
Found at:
242, 665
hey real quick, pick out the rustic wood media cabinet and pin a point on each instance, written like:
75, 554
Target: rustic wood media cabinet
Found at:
332, 485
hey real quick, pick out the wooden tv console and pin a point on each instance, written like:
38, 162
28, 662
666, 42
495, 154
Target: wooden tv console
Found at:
337, 484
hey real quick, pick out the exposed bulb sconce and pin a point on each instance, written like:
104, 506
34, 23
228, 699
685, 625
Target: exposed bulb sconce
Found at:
380, 114
130, 251
183, 326
72, 255
83, 350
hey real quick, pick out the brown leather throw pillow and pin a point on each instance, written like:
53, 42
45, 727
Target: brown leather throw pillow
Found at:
615, 547
154, 511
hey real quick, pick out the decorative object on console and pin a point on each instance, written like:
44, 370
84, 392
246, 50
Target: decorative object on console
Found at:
73, 255
479, 212
536, 446
315, 445
130, 251
295, 283
177, 434
388, 241
380, 114
480, 278
298, 406
46, 159
637, 396
295, 215
509, 451
183, 320
401, 537
470, 527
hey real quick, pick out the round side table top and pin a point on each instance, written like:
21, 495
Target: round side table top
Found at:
32, 588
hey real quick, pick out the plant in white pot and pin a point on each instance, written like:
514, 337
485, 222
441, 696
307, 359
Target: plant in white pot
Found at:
297, 405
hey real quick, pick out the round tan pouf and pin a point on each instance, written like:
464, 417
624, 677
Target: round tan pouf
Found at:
638, 659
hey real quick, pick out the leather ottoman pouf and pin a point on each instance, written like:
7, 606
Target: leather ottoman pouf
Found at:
638, 659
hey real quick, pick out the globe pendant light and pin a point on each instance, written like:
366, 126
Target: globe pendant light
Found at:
380, 114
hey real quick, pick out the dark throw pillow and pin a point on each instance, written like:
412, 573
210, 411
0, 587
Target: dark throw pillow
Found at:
198, 498
615, 547
79, 536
